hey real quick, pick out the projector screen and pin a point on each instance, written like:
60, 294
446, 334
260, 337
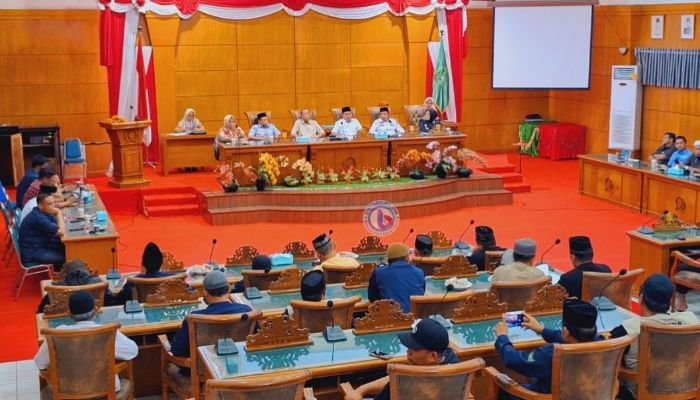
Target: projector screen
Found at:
542, 47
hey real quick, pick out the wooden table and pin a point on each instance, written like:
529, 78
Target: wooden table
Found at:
186, 151
358, 153
402, 145
93, 248
249, 155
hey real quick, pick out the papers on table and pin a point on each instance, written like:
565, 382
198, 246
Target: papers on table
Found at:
178, 134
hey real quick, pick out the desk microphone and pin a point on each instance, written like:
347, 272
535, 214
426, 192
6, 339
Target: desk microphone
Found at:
644, 229
330, 232
438, 317
114, 272
460, 244
601, 302
211, 253
556, 243
410, 231
333, 333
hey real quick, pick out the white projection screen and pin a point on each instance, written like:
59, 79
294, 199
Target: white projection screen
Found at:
543, 47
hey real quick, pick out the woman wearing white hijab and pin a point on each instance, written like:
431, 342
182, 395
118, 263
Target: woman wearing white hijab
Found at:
228, 133
189, 123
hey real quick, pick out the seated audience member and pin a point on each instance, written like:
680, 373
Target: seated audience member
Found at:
259, 263
485, 241
40, 234
313, 288
82, 310
429, 120
263, 130
681, 155
399, 280
346, 127
423, 246
385, 124
579, 326
48, 177
654, 301
38, 162
428, 344
581, 253
682, 291
693, 163
77, 274
523, 267
325, 250
189, 123
151, 261
307, 127
667, 148
29, 206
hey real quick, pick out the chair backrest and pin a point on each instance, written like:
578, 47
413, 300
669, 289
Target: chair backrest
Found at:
414, 112
172, 264
73, 149
338, 113
492, 259
280, 386
516, 293
587, 371
259, 278
315, 315
449, 381
618, 292
243, 256
425, 306
142, 287
96, 289
336, 274
252, 115
661, 348
81, 361
296, 114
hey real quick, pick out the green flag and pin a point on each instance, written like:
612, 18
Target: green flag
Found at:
441, 80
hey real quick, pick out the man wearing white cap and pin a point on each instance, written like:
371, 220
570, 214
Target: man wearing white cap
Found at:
522, 268
693, 163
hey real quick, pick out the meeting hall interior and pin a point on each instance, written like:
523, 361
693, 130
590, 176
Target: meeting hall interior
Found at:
350, 199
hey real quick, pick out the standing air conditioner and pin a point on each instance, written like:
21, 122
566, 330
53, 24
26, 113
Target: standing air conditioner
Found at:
625, 108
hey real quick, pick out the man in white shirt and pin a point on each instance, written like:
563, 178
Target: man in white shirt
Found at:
522, 268
82, 311
307, 127
325, 249
385, 124
346, 127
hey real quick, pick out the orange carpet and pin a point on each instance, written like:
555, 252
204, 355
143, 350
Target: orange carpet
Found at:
553, 209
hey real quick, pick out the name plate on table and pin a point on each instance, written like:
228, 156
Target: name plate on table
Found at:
676, 171
282, 259
303, 139
101, 216
381, 135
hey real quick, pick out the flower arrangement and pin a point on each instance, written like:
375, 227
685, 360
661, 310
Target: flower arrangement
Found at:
224, 175
441, 162
116, 119
379, 174
306, 170
393, 173
465, 155
365, 174
320, 177
412, 160
268, 168
348, 174
250, 172
332, 175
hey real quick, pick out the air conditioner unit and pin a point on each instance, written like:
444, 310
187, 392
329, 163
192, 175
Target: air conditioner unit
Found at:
625, 108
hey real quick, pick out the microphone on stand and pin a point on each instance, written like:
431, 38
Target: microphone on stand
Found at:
330, 232
211, 253
333, 333
645, 230
556, 243
410, 231
114, 272
601, 302
460, 244
438, 317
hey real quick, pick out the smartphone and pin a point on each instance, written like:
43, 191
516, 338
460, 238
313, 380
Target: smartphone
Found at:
514, 319
379, 354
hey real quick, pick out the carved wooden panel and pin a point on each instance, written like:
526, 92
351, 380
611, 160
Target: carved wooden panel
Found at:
299, 250
456, 265
479, 306
439, 239
61, 275
370, 245
242, 256
275, 332
360, 278
289, 281
59, 306
383, 315
172, 291
548, 300
170, 263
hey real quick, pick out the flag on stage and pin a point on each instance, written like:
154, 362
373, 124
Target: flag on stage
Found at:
142, 99
441, 80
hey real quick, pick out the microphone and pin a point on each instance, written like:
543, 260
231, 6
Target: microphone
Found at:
460, 244
333, 333
645, 230
226, 346
211, 253
556, 243
601, 302
438, 317
410, 231
114, 272
330, 232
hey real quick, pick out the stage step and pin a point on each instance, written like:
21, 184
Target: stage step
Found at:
500, 165
520, 187
170, 202
170, 199
511, 177
172, 210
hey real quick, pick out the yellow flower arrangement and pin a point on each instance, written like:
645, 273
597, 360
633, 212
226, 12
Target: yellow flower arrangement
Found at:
269, 167
306, 170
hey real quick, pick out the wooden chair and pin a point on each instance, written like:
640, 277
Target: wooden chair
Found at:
82, 364
259, 278
618, 292
428, 264
59, 295
26, 269
288, 385
336, 274
243, 256
674, 350
204, 330
492, 259
296, 114
252, 115
516, 294
449, 381
684, 278
370, 245
142, 287
600, 361
316, 315
299, 250
171, 264
425, 306
338, 113
414, 113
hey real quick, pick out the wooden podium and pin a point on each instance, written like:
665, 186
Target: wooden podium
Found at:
127, 155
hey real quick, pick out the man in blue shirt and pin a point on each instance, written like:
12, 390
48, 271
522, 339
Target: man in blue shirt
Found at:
681, 156
40, 234
38, 162
151, 261
263, 130
579, 321
397, 281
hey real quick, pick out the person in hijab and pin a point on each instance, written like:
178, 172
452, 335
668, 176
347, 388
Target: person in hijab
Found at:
230, 132
429, 120
189, 122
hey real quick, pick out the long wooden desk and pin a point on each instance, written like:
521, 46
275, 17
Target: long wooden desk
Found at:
186, 151
93, 248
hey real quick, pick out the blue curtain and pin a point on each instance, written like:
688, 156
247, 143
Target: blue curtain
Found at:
674, 68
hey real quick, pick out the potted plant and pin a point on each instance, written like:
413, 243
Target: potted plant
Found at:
224, 175
365, 174
348, 174
290, 181
332, 176
268, 170
413, 160
320, 177
393, 173
465, 155
379, 174
441, 162
306, 170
